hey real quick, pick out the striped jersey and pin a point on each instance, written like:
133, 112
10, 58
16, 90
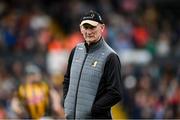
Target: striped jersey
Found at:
35, 99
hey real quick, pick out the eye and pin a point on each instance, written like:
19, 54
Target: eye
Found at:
89, 27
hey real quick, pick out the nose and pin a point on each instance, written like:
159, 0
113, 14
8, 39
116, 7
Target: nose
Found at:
89, 31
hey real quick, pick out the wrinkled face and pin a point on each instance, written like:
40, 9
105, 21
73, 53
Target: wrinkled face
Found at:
91, 33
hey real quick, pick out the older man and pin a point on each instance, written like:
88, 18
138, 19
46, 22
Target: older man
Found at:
92, 81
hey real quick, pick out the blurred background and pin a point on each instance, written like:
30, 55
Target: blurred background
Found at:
145, 34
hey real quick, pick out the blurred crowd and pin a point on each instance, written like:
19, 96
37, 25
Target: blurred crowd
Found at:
145, 34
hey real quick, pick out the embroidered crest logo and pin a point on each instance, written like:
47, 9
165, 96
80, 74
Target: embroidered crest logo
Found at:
94, 63
92, 15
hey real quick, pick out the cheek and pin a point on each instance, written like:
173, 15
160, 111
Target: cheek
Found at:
98, 33
84, 34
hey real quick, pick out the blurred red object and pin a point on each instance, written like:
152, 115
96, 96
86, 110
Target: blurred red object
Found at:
141, 36
2, 113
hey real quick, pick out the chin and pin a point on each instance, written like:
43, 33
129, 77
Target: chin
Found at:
89, 40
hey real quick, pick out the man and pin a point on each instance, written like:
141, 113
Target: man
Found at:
34, 98
92, 81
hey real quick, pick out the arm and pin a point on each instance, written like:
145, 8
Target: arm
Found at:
17, 104
110, 88
56, 106
67, 75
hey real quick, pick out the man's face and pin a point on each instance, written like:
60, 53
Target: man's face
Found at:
91, 33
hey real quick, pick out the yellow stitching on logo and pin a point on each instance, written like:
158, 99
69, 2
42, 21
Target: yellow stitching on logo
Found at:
94, 64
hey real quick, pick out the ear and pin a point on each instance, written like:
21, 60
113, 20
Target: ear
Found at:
102, 27
81, 29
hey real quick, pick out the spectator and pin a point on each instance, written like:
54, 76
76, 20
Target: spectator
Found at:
35, 99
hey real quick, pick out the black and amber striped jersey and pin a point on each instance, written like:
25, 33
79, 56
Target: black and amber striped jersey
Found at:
35, 99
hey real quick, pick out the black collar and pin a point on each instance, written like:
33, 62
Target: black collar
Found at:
93, 46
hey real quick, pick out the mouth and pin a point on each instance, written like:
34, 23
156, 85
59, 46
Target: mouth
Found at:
90, 36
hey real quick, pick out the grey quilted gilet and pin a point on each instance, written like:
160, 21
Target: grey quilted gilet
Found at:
85, 75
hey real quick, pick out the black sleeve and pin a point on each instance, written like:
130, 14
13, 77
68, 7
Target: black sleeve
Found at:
67, 74
110, 88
